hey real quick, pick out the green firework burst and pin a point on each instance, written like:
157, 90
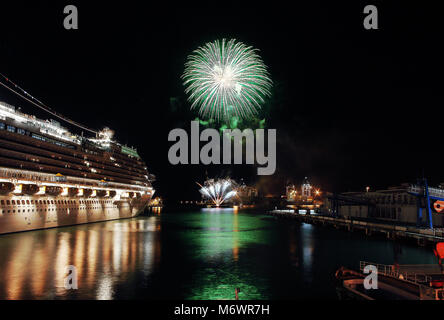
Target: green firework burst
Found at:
226, 78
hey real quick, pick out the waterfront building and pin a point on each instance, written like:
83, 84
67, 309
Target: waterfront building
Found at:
305, 197
246, 195
398, 204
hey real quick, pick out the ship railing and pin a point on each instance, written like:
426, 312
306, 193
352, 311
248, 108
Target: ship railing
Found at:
439, 294
437, 192
421, 280
416, 189
394, 272
45, 127
16, 175
429, 293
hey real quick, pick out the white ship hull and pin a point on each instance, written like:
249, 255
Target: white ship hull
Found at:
56, 213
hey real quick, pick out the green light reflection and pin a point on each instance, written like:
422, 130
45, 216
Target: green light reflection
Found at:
218, 238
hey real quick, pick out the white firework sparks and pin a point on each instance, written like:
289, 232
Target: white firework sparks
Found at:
225, 79
218, 192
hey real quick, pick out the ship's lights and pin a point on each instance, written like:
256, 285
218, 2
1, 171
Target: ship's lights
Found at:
42, 190
18, 189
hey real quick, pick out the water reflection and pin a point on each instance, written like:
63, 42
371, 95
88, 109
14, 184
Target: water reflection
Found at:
220, 239
190, 255
306, 234
293, 246
235, 236
106, 255
156, 210
276, 259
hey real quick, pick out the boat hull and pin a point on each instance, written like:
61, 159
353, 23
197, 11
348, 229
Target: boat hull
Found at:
28, 214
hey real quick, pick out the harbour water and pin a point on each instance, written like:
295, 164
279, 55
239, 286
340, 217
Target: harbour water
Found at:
200, 254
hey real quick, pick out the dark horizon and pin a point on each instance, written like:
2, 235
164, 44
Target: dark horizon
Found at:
352, 107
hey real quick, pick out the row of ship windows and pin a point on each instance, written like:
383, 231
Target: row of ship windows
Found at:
28, 202
13, 129
43, 210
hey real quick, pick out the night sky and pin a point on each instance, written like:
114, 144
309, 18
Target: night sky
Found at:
351, 107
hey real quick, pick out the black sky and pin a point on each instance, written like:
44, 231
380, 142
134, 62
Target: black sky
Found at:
352, 107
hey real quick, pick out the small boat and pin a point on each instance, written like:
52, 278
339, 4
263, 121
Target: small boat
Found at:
30, 189
6, 188
72, 192
87, 192
53, 190
393, 283
101, 193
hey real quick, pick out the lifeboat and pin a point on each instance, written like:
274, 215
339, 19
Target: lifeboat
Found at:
72, 192
6, 188
101, 193
53, 191
87, 192
30, 189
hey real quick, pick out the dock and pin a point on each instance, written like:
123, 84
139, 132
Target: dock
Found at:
423, 236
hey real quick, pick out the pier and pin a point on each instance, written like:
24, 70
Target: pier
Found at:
392, 231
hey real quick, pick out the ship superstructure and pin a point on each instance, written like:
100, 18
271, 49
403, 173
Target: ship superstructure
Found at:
50, 177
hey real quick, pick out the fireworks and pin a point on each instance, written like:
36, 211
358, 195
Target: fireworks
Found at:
225, 79
219, 191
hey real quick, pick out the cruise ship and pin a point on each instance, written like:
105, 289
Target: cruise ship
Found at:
50, 177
